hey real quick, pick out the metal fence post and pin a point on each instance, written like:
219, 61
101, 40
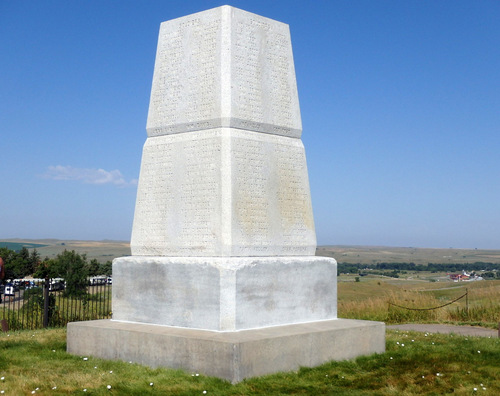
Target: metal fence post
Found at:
46, 303
467, 301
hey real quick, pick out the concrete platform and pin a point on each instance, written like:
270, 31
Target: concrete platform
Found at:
233, 356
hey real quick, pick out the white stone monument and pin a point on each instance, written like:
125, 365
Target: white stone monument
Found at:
223, 277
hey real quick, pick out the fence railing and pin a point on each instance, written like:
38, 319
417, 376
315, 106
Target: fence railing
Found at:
43, 306
466, 295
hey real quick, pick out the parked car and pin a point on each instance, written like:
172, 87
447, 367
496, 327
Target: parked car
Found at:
56, 285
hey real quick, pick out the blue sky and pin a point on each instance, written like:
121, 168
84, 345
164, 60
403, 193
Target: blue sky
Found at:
400, 104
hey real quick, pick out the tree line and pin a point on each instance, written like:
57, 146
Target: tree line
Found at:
73, 267
395, 268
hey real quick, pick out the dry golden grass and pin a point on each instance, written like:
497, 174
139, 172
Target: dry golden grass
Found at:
370, 299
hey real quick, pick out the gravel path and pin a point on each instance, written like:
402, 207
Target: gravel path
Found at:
447, 329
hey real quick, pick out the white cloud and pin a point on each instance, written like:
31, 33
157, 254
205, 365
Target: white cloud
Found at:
89, 176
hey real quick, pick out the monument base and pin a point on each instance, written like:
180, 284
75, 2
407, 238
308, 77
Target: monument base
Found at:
233, 356
224, 293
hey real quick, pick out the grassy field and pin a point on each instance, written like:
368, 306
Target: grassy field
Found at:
35, 362
100, 250
369, 299
383, 254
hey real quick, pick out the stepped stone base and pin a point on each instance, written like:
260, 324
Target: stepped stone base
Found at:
234, 355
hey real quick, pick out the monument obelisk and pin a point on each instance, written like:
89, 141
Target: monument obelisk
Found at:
223, 278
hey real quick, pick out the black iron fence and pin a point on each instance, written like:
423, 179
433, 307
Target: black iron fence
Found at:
48, 305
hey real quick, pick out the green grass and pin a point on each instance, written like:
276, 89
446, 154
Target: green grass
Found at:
37, 359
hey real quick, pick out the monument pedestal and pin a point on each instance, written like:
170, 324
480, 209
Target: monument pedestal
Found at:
234, 355
224, 293
229, 317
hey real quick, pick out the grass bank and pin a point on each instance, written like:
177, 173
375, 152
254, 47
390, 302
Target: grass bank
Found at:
415, 363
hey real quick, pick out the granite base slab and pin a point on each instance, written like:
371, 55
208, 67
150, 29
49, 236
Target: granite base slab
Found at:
232, 356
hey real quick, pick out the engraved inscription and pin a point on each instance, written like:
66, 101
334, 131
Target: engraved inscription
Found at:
199, 196
185, 80
178, 199
293, 197
263, 76
272, 208
223, 170
250, 193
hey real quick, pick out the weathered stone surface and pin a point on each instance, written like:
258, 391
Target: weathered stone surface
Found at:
233, 356
223, 192
224, 170
224, 293
224, 67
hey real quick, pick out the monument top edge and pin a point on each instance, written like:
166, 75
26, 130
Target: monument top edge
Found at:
223, 9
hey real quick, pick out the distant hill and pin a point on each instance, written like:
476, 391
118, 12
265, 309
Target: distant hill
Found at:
19, 245
108, 250
100, 250
384, 254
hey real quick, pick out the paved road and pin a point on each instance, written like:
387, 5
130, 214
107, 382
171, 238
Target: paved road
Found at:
447, 329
